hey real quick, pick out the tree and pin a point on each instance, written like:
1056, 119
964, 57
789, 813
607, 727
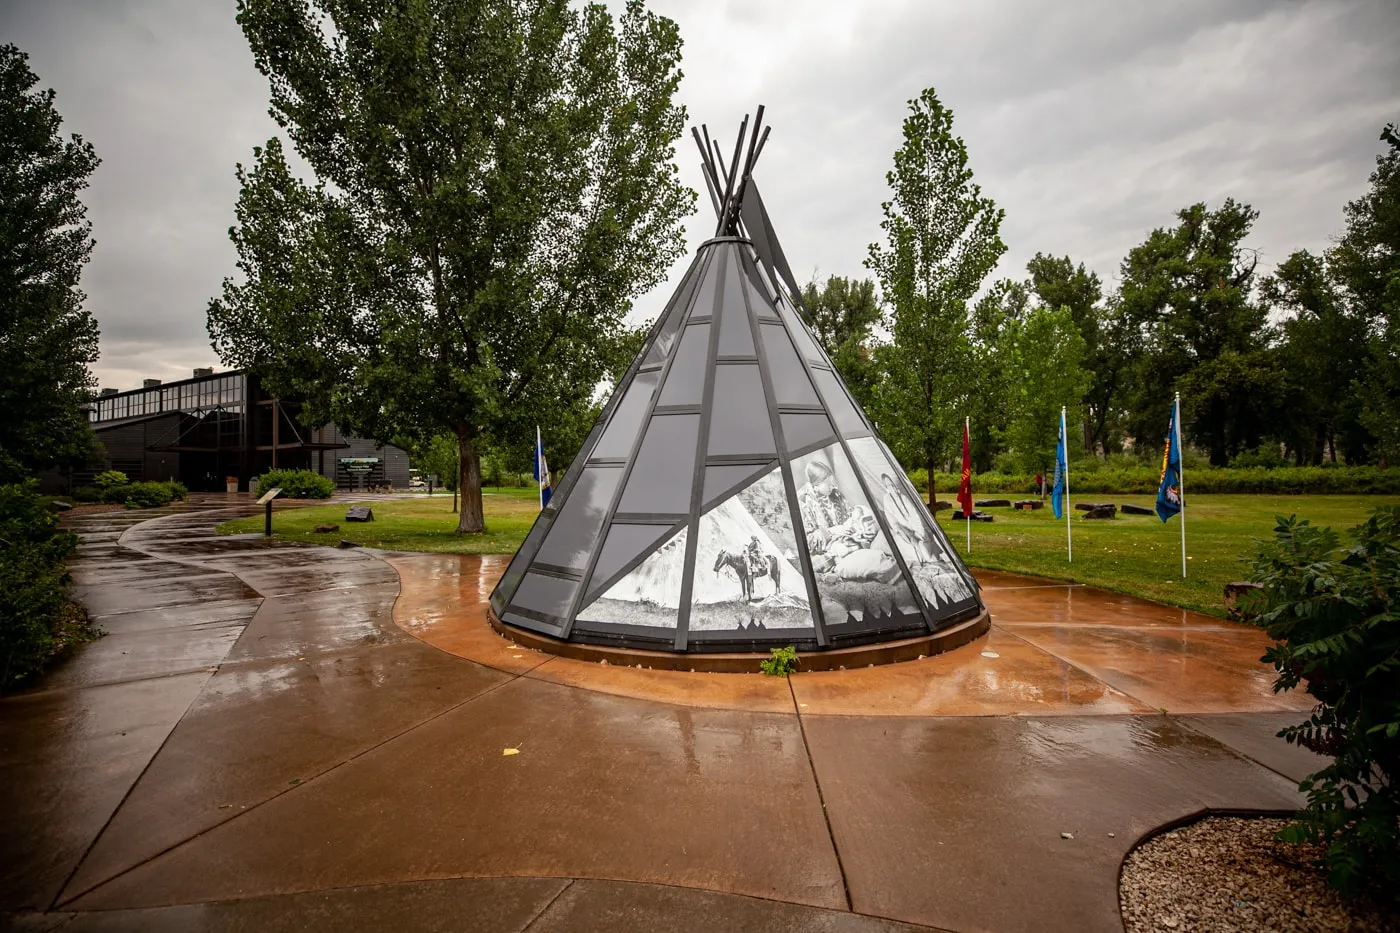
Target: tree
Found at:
1188, 291
995, 318
1109, 345
47, 337
1046, 374
1366, 265
1324, 345
843, 314
943, 239
494, 182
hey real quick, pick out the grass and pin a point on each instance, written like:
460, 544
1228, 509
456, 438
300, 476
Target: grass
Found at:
1140, 555
1131, 554
422, 523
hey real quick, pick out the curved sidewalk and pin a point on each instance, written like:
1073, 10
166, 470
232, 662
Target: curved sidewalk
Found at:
279, 736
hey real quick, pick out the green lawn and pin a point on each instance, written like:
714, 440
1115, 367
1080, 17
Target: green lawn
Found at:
1142, 556
1129, 554
422, 523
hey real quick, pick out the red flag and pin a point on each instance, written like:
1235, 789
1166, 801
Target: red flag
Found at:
965, 487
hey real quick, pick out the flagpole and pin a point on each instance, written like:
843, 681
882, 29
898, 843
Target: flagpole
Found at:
539, 474
1069, 533
967, 432
1181, 480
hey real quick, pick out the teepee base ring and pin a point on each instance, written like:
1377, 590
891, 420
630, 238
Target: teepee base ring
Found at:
890, 652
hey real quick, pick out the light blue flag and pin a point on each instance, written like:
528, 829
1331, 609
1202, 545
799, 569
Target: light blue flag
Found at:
1057, 492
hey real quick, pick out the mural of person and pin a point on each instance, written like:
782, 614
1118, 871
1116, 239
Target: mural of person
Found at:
905, 521
840, 534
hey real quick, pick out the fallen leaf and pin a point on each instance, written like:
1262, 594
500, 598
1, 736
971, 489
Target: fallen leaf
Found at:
511, 751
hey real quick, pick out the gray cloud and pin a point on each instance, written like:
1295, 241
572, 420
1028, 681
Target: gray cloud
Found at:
1089, 122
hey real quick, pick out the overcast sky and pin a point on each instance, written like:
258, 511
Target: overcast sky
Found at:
1089, 122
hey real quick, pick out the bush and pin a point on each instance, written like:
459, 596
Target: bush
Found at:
37, 619
108, 479
1335, 615
143, 495
1264, 456
87, 494
178, 490
297, 484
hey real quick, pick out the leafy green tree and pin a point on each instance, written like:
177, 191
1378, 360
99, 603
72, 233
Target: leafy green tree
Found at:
1046, 373
942, 240
1188, 290
47, 337
1366, 265
995, 318
1110, 344
843, 313
494, 182
1324, 346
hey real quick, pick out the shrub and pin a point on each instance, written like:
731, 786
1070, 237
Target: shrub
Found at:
1335, 615
178, 490
37, 619
781, 662
1265, 456
148, 495
87, 494
109, 478
297, 484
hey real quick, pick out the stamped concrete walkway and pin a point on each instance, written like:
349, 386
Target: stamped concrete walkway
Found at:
285, 737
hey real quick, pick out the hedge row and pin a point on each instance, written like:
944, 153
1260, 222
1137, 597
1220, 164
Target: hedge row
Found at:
1342, 480
133, 495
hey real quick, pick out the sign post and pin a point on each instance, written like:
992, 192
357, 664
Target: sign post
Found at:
266, 500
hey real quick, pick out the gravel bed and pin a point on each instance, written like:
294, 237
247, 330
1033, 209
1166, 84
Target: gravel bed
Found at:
1230, 874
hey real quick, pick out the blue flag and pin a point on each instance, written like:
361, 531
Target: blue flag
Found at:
1057, 491
1169, 492
542, 472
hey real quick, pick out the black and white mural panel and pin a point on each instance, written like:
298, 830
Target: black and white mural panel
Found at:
649, 596
747, 573
923, 549
860, 583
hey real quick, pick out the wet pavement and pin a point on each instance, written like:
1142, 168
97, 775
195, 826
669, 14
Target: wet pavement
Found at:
289, 737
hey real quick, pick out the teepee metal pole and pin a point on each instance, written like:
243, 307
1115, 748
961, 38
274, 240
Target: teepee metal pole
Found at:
753, 140
705, 169
733, 173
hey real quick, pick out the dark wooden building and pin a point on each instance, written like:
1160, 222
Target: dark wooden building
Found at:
215, 429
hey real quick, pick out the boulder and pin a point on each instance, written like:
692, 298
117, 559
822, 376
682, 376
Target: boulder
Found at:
1028, 505
1086, 506
1101, 511
59, 506
325, 529
993, 503
976, 516
1127, 509
1237, 598
359, 513
346, 544
942, 505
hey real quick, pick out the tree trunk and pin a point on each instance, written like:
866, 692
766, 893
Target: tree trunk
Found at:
932, 496
470, 520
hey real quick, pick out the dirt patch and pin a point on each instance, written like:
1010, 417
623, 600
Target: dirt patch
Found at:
1227, 873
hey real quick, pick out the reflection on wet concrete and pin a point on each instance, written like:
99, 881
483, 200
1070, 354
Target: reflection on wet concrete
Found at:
349, 744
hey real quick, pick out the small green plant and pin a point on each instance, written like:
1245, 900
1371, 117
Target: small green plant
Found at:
87, 494
109, 478
297, 484
781, 662
1335, 614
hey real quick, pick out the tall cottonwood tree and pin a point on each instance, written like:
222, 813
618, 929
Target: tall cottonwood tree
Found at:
494, 180
942, 240
47, 337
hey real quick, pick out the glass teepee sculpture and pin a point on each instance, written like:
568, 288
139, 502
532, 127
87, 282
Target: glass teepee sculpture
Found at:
732, 495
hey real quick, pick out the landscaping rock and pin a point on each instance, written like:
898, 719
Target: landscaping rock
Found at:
1233, 598
942, 506
976, 516
1136, 509
346, 544
993, 503
326, 529
58, 506
1101, 511
359, 513
1086, 506
1028, 505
